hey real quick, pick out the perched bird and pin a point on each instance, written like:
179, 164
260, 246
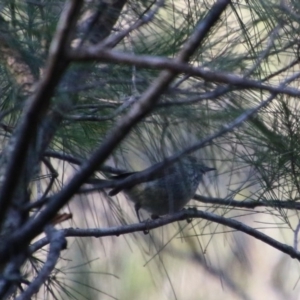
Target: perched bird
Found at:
169, 191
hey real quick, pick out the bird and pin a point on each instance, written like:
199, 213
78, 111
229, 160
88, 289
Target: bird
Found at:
169, 190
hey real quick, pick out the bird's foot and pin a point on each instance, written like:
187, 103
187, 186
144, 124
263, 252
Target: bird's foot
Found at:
153, 217
189, 220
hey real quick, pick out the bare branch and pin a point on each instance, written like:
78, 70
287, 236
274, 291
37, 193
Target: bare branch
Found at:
37, 106
183, 215
78, 161
57, 244
155, 62
251, 204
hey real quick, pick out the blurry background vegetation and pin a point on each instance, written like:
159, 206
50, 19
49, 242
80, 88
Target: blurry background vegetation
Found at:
258, 161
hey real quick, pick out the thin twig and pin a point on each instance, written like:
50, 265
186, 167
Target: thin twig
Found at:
251, 204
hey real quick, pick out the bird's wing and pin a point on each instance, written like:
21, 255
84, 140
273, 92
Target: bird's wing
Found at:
162, 173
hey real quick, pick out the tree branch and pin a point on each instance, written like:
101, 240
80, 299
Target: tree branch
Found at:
278, 204
182, 215
155, 62
57, 242
37, 106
